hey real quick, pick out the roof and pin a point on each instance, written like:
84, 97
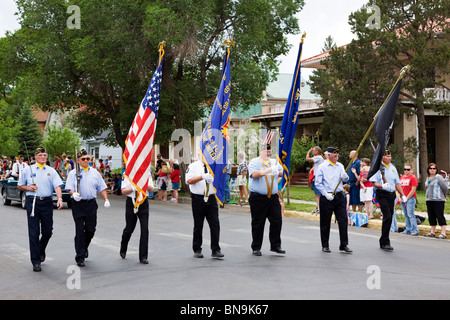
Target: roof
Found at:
314, 61
281, 87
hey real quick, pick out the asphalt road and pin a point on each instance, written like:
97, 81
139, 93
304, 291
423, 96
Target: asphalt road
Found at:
418, 268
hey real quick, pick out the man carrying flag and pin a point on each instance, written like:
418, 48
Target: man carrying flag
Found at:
207, 176
137, 157
383, 173
264, 201
289, 123
214, 144
139, 143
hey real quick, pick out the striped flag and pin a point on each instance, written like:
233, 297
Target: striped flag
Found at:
139, 143
268, 136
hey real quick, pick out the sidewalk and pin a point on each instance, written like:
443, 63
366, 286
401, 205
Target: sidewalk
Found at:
373, 224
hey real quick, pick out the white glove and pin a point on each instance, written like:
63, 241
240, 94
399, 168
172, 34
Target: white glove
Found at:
385, 186
344, 176
329, 196
107, 204
275, 170
207, 177
76, 196
404, 199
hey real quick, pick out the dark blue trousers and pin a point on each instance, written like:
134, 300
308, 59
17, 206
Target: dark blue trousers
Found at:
40, 224
84, 214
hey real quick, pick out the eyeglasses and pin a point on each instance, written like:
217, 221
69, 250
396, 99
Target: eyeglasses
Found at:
406, 169
85, 159
432, 168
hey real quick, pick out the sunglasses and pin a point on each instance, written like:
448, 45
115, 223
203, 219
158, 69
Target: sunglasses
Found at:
406, 169
432, 168
85, 159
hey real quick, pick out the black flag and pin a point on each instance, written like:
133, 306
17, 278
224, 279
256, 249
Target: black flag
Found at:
383, 125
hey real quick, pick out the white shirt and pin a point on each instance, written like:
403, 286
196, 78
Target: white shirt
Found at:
196, 169
17, 168
127, 184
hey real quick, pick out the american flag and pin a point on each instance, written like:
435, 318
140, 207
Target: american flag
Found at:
269, 136
139, 143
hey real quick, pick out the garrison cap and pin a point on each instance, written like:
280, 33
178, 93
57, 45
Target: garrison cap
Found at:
332, 149
40, 150
81, 153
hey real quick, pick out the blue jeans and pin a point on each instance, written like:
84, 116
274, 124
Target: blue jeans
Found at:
227, 188
410, 218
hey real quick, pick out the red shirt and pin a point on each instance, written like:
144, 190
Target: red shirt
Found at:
175, 175
367, 184
407, 183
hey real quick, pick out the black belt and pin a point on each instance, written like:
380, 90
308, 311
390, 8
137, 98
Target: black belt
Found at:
87, 200
256, 194
40, 198
193, 195
384, 191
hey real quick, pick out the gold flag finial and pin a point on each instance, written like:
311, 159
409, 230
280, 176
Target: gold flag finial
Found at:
228, 42
405, 69
161, 45
303, 37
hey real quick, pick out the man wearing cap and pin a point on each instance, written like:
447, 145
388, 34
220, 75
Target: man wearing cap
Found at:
330, 174
386, 181
84, 204
204, 205
263, 200
39, 181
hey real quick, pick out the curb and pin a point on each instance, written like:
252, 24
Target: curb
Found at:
372, 224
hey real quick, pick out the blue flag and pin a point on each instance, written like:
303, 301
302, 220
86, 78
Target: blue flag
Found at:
289, 123
214, 144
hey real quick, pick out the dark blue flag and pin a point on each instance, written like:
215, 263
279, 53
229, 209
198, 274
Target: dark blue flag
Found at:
289, 123
214, 142
383, 126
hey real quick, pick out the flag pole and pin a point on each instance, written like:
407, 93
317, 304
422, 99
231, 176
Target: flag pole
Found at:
402, 74
288, 176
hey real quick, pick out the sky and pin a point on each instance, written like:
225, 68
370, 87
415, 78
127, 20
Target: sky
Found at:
319, 19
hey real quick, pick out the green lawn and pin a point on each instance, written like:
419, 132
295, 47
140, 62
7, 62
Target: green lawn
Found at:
306, 194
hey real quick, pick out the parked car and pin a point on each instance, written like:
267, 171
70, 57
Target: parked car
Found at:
10, 192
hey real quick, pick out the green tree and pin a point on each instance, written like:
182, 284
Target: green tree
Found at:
59, 140
101, 71
414, 32
9, 132
353, 87
29, 131
359, 77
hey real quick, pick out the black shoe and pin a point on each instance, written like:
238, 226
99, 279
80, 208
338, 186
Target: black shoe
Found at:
198, 254
42, 257
345, 249
278, 250
326, 249
80, 264
123, 254
386, 247
256, 253
144, 261
217, 254
37, 267
86, 253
